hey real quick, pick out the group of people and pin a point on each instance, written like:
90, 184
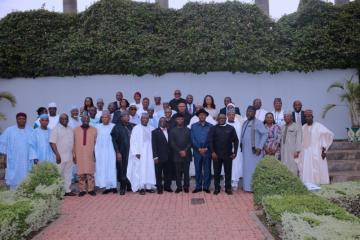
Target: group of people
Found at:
145, 147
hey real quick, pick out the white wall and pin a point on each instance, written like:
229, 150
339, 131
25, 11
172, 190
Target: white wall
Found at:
310, 88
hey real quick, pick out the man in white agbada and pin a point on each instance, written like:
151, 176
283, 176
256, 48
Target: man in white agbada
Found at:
53, 117
141, 168
105, 174
317, 139
237, 163
260, 112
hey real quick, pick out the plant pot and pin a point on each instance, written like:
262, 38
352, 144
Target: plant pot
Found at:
353, 134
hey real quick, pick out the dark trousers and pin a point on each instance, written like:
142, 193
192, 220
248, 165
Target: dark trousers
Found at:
182, 169
162, 171
121, 167
202, 170
217, 171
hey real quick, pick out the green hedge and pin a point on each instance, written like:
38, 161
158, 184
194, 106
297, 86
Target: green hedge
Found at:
310, 226
344, 194
271, 177
126, 37
275, 206
33, 205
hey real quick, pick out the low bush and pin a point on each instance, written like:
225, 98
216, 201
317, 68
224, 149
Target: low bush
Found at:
345, 195
35, 203
271, 177
310, 226
275, 206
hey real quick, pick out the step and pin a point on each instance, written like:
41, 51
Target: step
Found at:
344, 165
344, 145
2, 183
344, 176
2, 174
343, 154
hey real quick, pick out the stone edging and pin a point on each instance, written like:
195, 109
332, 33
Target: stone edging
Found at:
262, 227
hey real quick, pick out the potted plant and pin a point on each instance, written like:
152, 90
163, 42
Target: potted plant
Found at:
351, 96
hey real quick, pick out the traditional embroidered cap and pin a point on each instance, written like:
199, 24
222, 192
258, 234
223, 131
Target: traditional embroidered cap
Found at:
21, 114
44, 116
52, 105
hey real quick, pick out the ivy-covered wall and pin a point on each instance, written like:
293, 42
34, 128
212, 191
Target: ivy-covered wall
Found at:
125, 37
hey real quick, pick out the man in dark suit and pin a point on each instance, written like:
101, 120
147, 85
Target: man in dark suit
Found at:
161, 155
190, 106
298, 115
223, 143
227, 101
119, 97
121, 140
180, 141
181, 110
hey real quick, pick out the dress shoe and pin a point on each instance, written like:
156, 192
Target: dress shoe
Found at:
142, 192
206, 190
228, 192
178, 190
150, 190
160, 191
122, 191
114, 190
168, 190
217, 191
196, 190
186, 190
106, 191
70, 194
81, 194
92, 193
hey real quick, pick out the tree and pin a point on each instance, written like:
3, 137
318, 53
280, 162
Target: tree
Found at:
9, 97
350, 94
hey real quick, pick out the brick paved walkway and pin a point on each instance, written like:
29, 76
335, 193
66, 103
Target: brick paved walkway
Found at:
153, 216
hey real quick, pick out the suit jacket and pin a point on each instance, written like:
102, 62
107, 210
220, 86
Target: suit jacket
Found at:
117, 105
180, 139
160, 146
302, 117
121, 138
223, 111
193, 109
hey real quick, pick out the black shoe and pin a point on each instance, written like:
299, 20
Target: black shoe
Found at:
168, 190
142, 192
92, 193
196, 190
81, 194
122, 191
217, 191
160, 191
206, 190
114, 190
106, 191
228, 192
186, 190
150, 190
178, 190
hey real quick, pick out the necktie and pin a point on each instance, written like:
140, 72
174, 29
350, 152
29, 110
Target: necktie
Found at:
298, 120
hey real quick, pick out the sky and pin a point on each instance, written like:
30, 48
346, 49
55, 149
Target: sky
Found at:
278, 8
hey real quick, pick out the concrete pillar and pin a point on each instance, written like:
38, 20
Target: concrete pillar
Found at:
341, 2
70, 6
263, 5
163, 3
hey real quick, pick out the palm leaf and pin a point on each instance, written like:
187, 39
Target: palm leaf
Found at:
336, 85
327, 108
2, 116
8, 96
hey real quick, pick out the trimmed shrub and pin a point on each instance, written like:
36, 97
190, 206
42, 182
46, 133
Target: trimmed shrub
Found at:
311, 226
275, 206
42, 174
271, 177
35, 202
345, 195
